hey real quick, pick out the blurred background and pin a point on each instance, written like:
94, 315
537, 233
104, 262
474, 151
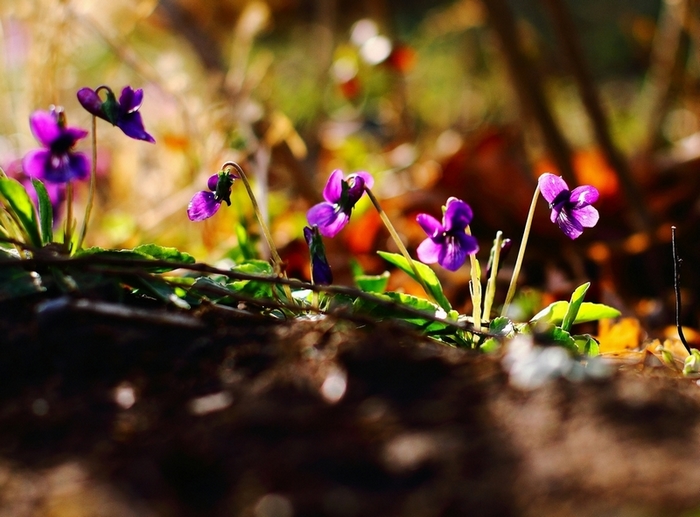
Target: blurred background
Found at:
463, 98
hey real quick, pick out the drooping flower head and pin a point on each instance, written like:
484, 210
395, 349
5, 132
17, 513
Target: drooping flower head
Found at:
320, 269
447, 242
204, 204
123, 113
57, 162
341, 195
571, 209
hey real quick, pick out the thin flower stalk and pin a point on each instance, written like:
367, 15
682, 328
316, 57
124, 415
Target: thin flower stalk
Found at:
91, 189
521, 253
68, 226
493, 272
277, 260
475, 286
399, 243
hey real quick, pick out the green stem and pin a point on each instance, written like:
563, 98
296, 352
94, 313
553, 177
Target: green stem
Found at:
91, 192
521, 253
491, 282
276, 259
68, 228
399, 243
475, 286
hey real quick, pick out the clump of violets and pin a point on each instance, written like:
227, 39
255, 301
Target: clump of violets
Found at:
341, 195
57, 161
205, 204
448, 243
571, 209
123, 113
320, 269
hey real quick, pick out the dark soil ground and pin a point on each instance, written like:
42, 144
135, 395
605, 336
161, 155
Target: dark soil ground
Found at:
155, 413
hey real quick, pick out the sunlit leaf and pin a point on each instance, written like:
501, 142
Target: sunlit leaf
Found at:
253, 288
18, 202
45, 211
145, 251
588, 311
429, 277
501, 326
574, 306
373, 283
164, 253
587, 345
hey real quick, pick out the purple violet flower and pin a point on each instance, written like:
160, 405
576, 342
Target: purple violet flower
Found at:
205, 204
571, 209
341, 195
447, 242
123, 113
320, 269
57, 162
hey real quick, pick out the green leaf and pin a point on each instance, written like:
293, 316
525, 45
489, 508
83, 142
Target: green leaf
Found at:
429, 277
251, 287
356, 268
373, 283
145, 251
18, 202
588, 311
574, 305
162, 291
587, 345
561, 337
45, 211
254, 267
246, 247
164, 253
380, 311
490, 345
501, 326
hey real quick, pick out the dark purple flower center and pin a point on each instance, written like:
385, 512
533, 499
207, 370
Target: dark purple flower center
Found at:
62, 143
561, 201
222, 192
352, 190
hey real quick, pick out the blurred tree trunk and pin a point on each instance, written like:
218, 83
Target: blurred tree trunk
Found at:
528, 85
565, 30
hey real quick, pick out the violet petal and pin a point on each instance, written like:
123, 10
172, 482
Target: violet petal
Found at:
551, 185
35, 161
75, 133
458, 215
366, 177
44, 126
89, 100
429, 251
584, 195
430, 225
456, 249
321, 215
79, 166
588, 216
334, 187
321, 271
130, 100
333, 227
202, 206
568, 224
212, 182
132, 125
